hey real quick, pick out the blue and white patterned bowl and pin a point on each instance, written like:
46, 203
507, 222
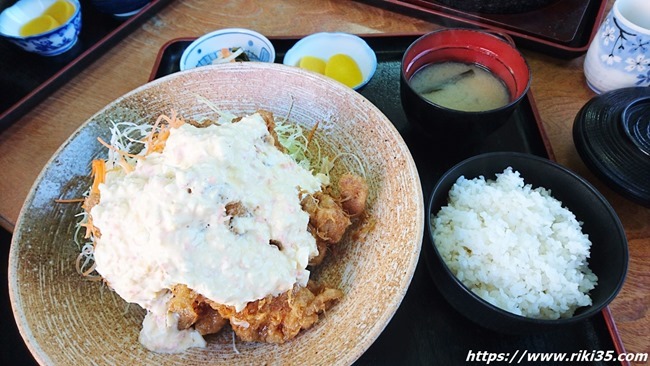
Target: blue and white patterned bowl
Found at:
50, 43
205, 49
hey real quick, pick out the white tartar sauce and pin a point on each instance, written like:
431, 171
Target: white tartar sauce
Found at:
165, 223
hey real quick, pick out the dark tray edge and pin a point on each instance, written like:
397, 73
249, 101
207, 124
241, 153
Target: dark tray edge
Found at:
535, 43
30, 100
606, 313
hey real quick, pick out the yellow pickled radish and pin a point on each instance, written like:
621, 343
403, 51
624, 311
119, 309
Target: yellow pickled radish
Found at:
38, 25
61, 10
344, 69
313, 64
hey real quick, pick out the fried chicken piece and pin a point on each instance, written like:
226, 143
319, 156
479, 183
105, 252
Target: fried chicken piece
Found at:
279, 319
272, 319
329, 215
353, 190
193, 310
209, 320
182, 304
326, 216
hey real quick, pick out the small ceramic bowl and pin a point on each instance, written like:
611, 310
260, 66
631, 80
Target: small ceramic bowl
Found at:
50, 43
206, 49
119, 8
608, 253
325, 44
453, 127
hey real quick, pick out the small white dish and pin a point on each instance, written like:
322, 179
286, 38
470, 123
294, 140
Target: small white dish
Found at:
51, 43
207, 48
326, 44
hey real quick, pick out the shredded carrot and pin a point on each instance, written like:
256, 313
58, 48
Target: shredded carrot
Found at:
91, 230
159, 133
158, 141
225, 52
176, 122
311, 133
73, 200
99, 174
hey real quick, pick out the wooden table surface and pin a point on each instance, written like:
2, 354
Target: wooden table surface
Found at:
558, 86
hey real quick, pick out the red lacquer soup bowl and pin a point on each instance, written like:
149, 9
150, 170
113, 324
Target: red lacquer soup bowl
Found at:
491, 52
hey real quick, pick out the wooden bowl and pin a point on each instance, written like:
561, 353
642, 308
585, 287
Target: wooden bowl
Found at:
66, 319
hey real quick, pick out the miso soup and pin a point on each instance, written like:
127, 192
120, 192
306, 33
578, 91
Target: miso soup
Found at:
465, 87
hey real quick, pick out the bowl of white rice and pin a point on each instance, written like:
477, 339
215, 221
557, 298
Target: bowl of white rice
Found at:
519, 243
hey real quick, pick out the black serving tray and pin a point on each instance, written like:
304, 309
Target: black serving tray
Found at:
26, 78
426, 330
562, 29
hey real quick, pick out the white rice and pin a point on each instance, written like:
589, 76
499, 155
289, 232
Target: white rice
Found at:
515, 246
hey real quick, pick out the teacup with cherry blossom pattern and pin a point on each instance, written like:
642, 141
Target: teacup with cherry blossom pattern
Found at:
619, 54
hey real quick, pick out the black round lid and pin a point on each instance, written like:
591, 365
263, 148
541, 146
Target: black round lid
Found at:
612, 135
